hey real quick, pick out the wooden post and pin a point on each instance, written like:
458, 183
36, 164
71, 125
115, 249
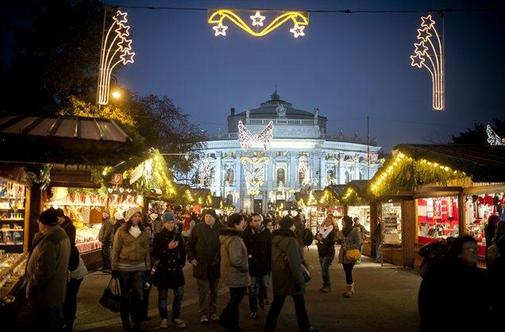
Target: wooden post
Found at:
408, 231
35, 206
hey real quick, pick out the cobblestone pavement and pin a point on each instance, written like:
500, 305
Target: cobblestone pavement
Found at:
385, 300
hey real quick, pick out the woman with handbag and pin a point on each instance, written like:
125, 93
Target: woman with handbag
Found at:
349, 253
130, 263
288, 277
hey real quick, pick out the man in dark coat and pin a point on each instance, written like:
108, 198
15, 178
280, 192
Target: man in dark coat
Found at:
204, 255
258, 241
105, 236
287, 276
169, 249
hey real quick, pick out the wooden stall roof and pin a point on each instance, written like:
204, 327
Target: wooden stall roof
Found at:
63, 139
483, 163
338, 189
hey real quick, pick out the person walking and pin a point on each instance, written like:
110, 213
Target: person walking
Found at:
76, 275
169, 250
378, 237
118, 222
46, 274
130, 263
326, 238
204, 256
105, 236
287, 276
350, 239
234, 269
258, 241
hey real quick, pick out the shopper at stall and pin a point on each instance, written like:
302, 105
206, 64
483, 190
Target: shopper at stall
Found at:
445, 290
234, 269
105, 236
378, 238
350, 239
130, 263
118, 222
287, 276
326, 237
46, 274
171, 255
204, 255
258, 241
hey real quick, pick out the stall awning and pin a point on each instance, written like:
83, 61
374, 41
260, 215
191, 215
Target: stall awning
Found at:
63, 139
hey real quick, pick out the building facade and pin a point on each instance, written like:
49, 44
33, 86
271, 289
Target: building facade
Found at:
249, 170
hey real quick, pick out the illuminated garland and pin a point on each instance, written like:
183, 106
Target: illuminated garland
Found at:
248, 139
403, 173
430, 55
299, 19
493, 138
203, 171
116, 49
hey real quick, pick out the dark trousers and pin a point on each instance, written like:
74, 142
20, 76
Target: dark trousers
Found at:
132, 296
163, 302
70, 305
257, 291
348, 272
275, 309
145, 302
106, 256
325, 262
229, 317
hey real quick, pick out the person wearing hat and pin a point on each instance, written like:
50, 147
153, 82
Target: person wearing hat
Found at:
204, 256
130, 263
170, 251
46, 273
287, 276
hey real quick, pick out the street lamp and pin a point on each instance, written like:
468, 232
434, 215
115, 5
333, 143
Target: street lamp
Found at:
116, 94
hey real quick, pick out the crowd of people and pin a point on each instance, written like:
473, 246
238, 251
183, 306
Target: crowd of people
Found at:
248, 254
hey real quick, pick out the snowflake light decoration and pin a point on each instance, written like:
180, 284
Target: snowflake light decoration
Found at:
116, 49
493, 138
254, 168
429, 53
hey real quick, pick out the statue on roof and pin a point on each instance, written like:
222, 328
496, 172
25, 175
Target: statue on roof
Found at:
281, 110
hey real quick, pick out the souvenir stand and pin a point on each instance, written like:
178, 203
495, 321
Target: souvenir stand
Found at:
438, 188
52, 151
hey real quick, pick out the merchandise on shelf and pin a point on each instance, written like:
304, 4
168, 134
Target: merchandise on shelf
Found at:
362, 212
12, 215
391, 214
12, 268
437, 218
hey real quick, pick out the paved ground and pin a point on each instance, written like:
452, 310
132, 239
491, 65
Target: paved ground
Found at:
385, 300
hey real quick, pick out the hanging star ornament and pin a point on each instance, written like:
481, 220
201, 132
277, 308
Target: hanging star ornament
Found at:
421, 48
417, 60
116, 49
297, 30
220, 29
428, 22
429, 53
257, 19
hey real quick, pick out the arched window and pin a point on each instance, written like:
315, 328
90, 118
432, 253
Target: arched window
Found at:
348, 177
330, 176
229, 199
281, 176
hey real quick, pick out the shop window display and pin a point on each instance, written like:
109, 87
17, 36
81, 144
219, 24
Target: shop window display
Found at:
391, 215
478, 209
437, 218
12, 216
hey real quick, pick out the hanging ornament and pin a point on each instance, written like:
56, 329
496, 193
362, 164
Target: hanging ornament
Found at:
299, 19
429, 53
248, 139
493, 138
116, 49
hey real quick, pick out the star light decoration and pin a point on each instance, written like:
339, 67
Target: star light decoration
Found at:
299, 19
429, 53
116, 49
248, 139
493, 138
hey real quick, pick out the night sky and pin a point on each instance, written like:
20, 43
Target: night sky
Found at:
348, 65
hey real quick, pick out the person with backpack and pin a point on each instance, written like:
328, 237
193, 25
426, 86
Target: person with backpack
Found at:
287, 276
326, 238
350, 239
170, 252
